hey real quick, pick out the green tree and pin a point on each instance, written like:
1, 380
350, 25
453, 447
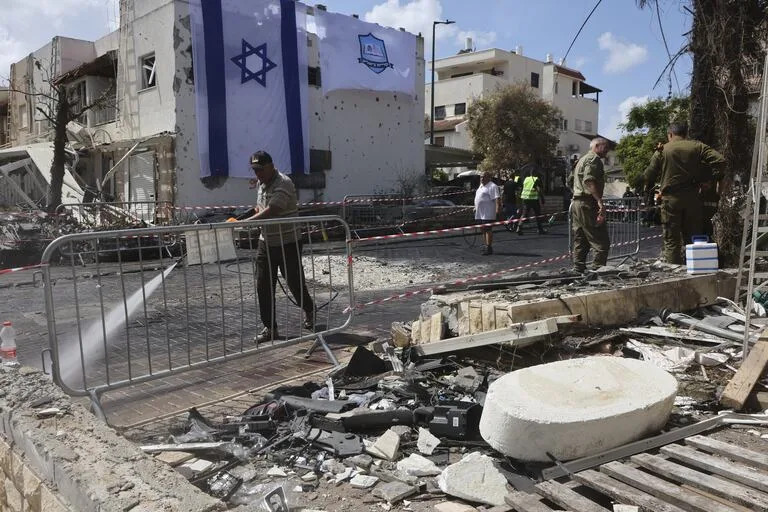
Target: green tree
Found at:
513, 126
646, 126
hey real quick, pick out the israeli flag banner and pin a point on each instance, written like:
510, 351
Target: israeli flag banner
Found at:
251, 84
355, 54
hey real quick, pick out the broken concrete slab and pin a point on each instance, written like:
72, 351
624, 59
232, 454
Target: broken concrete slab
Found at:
416, 465
361, 461
386, 446
475, 478
392, 492
363, 481
575, 408
427, 442
597, 307
453, 506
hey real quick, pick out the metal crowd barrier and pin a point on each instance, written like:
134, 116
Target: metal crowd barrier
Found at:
140, 309
117, 213
370, 213
623, 217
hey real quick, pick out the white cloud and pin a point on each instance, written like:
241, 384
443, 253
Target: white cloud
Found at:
611, 128
27, 25
621, 55
576, 63
10, 51
416, 16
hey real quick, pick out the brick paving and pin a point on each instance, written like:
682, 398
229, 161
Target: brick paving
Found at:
197, 309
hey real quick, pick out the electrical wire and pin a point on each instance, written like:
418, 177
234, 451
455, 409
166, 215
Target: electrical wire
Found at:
666, 46
581, 28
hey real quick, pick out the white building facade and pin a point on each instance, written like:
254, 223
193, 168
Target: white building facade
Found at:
361, 142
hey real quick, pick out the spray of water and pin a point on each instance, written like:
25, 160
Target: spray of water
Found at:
93, 337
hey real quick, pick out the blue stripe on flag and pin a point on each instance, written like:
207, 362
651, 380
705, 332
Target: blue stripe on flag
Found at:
288, 32
217, 91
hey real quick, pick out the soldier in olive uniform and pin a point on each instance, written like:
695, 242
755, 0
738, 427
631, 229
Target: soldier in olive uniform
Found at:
681, 166
587, 210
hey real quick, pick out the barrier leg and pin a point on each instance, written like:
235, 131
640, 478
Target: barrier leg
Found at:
320, 340
96, 407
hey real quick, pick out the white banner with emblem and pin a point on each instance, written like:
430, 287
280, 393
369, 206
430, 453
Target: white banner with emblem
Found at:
358, 55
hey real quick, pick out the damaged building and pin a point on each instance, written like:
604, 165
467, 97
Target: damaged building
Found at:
140, 143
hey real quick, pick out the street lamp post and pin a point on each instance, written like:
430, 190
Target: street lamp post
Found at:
432, 87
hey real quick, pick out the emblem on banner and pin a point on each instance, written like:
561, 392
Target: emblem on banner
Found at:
373, 53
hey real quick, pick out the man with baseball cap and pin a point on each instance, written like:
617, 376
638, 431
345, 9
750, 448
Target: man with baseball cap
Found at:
279, 245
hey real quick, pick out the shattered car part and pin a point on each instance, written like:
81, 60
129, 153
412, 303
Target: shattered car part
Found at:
223, 485
339, 443
325, 406
455, 420
698, 325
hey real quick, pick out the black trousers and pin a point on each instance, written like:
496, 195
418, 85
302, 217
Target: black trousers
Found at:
288, 259
530, 206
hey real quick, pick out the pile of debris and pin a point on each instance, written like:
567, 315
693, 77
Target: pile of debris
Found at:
393, 430
377, 425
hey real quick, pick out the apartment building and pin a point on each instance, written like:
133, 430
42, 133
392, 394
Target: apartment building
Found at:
470, 75
141, 143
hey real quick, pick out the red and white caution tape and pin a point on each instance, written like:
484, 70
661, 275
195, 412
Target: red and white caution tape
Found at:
19, 269
416, 234
458, 282
328, 203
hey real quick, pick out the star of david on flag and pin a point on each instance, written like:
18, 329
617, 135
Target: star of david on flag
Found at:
242, 62
251, 84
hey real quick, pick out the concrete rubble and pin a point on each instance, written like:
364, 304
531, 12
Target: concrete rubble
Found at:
452, 428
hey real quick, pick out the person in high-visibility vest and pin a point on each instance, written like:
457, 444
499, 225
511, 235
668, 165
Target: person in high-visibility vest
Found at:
532, 197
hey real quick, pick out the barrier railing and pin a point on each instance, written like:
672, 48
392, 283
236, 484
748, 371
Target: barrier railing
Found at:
623, 219
138, 309
118, 213
367, 213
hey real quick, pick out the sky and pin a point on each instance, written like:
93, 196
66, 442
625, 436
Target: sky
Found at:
620, 50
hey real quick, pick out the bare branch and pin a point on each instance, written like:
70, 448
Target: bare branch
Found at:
33, 94
47, 116
101, 101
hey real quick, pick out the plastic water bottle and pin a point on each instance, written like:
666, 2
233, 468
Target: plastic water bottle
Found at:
8, 344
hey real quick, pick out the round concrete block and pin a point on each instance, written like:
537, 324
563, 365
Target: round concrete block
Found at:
576, 408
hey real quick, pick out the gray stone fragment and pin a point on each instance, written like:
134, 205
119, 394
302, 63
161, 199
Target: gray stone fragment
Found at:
362, 461
417, 465
453, 506
393, 492
474, 478
363, 481
404, 431
386, 446
427, 442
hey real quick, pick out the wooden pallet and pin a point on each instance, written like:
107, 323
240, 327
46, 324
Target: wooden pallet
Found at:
701, 475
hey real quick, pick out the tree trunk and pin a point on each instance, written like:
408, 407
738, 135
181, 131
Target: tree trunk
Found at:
703, 90
59, 143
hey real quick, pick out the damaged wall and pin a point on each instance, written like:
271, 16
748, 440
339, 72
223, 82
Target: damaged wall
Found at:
91, 468
375, 140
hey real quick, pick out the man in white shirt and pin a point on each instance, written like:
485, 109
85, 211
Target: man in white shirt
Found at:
487, 208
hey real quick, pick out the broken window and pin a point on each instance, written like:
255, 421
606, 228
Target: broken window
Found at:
459, 109
23, 123
148, 76
314, 76
440, 112
78, 98
535, 80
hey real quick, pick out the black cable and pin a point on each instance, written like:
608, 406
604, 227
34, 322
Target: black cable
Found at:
581, 28
666, 46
